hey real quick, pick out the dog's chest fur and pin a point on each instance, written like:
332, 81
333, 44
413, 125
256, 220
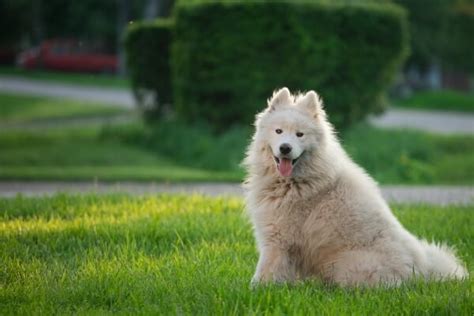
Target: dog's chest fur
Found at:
302, 222
283, 209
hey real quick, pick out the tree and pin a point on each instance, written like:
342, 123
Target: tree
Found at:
441, 32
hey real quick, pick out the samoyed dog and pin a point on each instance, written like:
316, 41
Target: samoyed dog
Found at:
317, 214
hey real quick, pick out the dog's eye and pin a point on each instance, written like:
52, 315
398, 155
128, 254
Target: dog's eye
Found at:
278, 131
299, 134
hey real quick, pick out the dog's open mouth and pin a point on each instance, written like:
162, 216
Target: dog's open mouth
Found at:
285, 165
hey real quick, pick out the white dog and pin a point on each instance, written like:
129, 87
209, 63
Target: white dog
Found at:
317, 214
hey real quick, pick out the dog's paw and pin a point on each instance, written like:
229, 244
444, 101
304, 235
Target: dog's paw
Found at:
259, 280
256, 280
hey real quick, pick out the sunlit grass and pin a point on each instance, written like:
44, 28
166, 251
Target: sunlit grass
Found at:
187, 255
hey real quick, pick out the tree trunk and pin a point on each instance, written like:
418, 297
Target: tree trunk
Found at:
123, 16
38, 25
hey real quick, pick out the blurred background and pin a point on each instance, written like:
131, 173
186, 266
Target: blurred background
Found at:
163, 90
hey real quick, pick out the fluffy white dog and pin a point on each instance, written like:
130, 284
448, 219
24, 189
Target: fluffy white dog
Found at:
317, 214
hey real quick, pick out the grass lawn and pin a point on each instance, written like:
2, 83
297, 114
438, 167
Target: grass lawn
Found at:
412, 157
100, 80
21, 109
82, 154
175, 152
439, 100
188, 255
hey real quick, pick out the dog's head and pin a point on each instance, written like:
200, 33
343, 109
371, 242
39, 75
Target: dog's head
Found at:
291, 129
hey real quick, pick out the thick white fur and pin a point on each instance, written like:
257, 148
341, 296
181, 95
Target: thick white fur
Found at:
328, 219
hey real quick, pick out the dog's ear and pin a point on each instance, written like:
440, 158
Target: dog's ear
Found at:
279, 98
312, 103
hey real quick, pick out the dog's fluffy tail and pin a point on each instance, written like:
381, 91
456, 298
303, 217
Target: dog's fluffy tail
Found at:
442, 262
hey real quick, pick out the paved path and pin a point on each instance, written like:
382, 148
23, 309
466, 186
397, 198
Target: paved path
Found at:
442, 122
397, 194
116, 97
432, 121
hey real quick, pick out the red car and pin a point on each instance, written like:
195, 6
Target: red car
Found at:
68, 55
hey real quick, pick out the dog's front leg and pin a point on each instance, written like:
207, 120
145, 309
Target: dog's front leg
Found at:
274, 265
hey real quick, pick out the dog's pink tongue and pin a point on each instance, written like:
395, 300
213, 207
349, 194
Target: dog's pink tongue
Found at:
285, 167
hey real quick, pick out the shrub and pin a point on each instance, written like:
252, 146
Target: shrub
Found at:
147, 45
458, 33
227, 58
441, 32
426, 23
190, 145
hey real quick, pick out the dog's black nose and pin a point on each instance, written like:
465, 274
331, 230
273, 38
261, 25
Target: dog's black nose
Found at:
285, 149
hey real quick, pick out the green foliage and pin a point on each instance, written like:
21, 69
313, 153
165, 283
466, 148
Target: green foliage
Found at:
190, 145
441, 30
439, 100
147, 45
69, 20
426, 28
227, 58
458, 48
192, 255
12, 19
90, 20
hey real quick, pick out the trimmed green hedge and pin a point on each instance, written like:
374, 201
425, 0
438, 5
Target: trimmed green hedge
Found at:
227, 58
148, 55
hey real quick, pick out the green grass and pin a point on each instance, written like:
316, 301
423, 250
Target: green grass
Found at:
100, 80
188, 255
22, 109
412, 157
439, 100
171, 151
82, 154
391, 156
